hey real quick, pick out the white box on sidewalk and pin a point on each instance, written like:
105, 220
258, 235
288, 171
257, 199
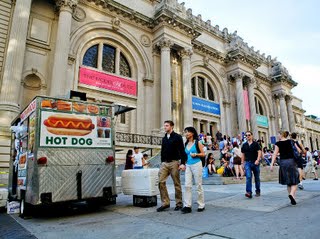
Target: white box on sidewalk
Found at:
3, 197
142, 182
13, 207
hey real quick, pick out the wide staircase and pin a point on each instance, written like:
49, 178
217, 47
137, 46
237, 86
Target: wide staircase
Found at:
265, 174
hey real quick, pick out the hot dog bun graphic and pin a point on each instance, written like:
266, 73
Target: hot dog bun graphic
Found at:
69, 125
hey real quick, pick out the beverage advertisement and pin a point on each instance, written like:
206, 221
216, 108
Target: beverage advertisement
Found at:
60, 129
22, 169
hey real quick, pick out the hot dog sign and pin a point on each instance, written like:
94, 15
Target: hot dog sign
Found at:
74, 130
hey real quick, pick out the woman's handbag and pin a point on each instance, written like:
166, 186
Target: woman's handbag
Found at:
296, 155
205, 172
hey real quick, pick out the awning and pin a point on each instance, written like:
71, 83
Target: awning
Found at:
120, 109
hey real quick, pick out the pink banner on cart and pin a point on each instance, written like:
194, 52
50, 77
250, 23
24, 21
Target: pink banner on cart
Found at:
246, 104
107, 81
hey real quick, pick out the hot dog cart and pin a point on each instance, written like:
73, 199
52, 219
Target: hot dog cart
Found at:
62, 150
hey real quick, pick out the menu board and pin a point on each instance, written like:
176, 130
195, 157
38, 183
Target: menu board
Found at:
76, 107
74, 130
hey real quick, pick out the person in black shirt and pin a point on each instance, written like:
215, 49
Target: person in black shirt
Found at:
288, 172
129, 160
251, 154
172, 151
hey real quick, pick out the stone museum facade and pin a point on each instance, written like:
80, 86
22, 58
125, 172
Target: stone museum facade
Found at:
153, 55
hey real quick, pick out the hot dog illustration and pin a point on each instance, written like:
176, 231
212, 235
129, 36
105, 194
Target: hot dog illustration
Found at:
69, 125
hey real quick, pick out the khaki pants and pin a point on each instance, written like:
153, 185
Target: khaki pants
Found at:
194, 170
172, 169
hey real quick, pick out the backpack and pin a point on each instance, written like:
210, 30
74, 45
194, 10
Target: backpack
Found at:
203, 159
296, 154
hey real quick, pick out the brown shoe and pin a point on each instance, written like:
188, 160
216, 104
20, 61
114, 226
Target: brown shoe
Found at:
258, 195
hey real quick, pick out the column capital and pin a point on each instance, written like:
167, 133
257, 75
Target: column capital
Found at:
250, 81
71, 4
165, 43
236, 75
289, 98
186, 53
280, 95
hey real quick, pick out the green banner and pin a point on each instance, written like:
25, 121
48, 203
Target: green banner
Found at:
262, 121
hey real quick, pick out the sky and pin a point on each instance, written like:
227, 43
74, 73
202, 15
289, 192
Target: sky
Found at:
288, 30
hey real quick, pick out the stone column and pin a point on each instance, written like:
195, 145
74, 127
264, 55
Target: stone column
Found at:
60, 63
166, 112
276, 114
227, 106
240, 104
253, 114
292, 123
14, 60
186, 87
283, 112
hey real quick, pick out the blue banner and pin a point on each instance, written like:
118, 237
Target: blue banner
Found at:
205, 106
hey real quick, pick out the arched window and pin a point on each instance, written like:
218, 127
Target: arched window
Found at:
259, 108
193, 86
201, 91
200, 87
210, 93
91, 57
108, 58
124, 66
112, 59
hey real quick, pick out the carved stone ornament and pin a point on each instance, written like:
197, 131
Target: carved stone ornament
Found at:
79, 14
165, 43
222, 72
67, 3
206, 60
186, 53
145, 40
116, 23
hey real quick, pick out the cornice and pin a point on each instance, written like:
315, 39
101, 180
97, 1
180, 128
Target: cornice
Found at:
207, 50
116, 9
298, 109
239, 55
165, 17
262, 77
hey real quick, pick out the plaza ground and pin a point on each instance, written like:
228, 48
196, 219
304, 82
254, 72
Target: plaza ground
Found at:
228, 214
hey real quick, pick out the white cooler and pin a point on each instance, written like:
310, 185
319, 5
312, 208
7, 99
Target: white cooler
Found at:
142, 182
3, 197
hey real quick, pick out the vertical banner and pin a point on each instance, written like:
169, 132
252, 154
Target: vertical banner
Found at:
246, 104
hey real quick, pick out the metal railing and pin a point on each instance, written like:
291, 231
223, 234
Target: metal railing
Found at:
138, 139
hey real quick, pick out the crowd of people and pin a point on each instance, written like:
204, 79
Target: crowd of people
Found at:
239, 157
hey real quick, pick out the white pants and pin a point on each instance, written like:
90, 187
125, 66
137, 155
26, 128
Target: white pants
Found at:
194, 170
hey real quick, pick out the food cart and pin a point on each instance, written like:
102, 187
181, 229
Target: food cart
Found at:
62, 150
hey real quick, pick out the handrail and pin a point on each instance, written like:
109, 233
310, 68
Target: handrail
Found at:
138, 138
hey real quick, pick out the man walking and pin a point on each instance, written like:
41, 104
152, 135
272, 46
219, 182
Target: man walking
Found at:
301, 160
172, 151
251, 155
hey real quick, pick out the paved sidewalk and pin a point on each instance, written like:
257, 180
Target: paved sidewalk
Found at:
228, 214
